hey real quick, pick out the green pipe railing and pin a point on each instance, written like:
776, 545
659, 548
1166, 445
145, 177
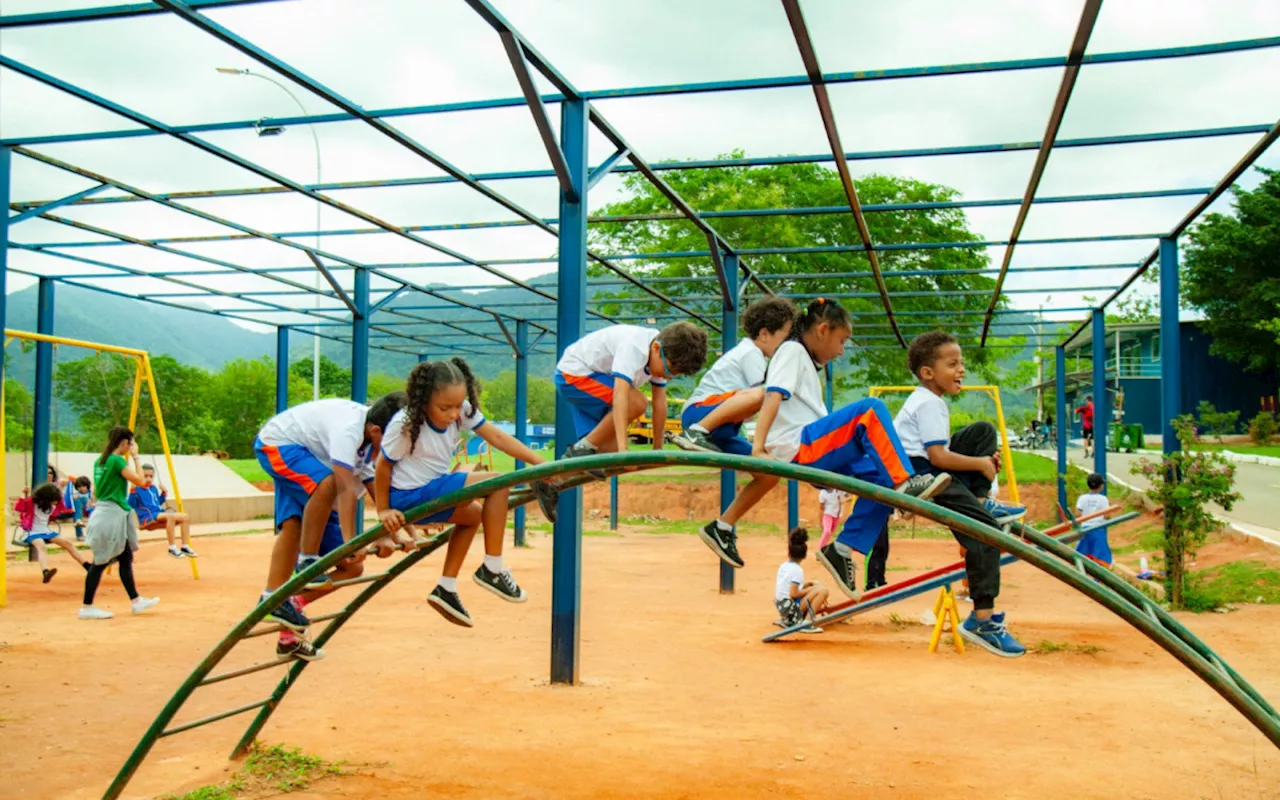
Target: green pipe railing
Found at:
1040, 551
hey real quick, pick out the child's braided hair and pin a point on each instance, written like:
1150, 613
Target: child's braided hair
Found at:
46, 496
430, 376
820, 311
798, 543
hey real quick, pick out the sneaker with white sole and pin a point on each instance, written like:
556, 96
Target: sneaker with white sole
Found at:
288, 616
992, 636
174, 551
93, 612
577, 450
188, 552
500, 583
450, 606
300, 649
1004, 513
723, 543
811, 629
925, 486
697, 441
141, 604
842, 568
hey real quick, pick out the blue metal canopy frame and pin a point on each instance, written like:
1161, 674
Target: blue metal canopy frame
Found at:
374, 305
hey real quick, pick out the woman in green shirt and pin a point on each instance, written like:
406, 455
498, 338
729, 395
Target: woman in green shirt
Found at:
112, 532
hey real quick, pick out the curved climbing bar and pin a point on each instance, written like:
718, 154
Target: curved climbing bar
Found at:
1055, 559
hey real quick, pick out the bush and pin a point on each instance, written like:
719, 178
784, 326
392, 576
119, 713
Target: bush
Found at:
1219, 423
1184, 426
1264, 428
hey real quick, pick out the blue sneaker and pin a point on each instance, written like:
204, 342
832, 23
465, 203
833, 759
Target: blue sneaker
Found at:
1004, 513
288, 616
991, 636
320, 582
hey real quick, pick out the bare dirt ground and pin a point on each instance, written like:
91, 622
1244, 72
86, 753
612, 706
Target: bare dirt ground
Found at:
679, 698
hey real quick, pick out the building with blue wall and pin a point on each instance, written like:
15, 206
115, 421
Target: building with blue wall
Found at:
1133, 374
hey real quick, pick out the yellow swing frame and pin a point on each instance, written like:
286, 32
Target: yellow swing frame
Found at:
141, 373
993, 392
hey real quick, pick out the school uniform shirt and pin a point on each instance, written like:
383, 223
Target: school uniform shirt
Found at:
831, 500
148, 501
923, 421
418, 463
743, 367
788, 573
332, 430
40, 520
618, 350
793, 375
1091, 503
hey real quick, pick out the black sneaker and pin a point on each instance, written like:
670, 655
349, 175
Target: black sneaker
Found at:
722, 543
577, 450
287, 615
922, 487
301, 649
501, 584
449, 605
49, 573
697, 441
842, 569
547, 497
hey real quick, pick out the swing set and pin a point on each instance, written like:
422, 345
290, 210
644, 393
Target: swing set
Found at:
142, 372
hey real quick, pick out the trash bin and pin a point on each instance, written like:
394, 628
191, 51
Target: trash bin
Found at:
1126, 437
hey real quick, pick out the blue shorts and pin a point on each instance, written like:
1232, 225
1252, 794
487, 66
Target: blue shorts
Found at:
590, 397
1093, 544
332, 538
405, 499
296, 474
47, 537
728, 437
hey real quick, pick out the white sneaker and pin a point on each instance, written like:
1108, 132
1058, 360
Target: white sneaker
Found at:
93, 612
174, 551
141, 604
188, 552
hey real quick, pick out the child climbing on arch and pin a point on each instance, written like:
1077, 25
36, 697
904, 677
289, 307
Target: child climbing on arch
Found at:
34, 512
148, 501
732, 391
319, 455
795, 425
971, 458
600, 376
795, 598
444, 401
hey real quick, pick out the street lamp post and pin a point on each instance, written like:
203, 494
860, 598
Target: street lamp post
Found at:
315, 138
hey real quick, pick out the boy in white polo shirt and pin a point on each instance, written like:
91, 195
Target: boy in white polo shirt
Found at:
971, 458
600, 375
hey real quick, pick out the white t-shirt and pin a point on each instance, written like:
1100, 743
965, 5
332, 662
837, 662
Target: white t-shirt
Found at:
618, 350
1091, 503
831, 500
332, 430
432, 455
924, 420
793, 374
40, 520
788, 573
743, 367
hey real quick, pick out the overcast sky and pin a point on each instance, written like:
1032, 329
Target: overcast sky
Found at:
383, 53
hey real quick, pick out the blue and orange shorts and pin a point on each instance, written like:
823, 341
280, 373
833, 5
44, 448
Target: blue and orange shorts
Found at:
296, 473
728, 437
590, 397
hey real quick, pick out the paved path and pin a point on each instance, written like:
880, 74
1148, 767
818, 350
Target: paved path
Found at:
1258, 512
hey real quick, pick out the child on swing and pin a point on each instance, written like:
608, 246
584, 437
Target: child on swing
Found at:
414, 467
82, 504
148, 501
34, 513
795, 426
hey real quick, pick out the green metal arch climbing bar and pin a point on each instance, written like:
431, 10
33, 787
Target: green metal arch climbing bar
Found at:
1041, 552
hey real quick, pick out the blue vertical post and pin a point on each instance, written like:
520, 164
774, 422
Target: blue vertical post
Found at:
1101, 406
728, 339
360, 339
282, 368
793, 505
522, 409
1064, 424
1170, 344
571, 283
613, 502
44, 385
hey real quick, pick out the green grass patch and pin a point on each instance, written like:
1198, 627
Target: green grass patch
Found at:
247, 468
1243, 449
1030, 468
1235, 582
267, 770
1046, 647
1150, 537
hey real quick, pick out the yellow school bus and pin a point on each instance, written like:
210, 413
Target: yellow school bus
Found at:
641, 431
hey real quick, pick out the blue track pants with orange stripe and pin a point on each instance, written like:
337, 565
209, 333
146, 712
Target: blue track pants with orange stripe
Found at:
842, 439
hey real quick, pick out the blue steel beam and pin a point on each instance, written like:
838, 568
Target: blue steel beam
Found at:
378, 306
107, 12
52, 204
44, 386
1088, 16
515, 54
728, 339
1170, 345
521, 412
607, 166
1101, 403
1064, 422
282, 368
329, 95
360, 339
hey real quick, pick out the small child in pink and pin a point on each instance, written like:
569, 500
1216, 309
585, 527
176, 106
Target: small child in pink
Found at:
832, 501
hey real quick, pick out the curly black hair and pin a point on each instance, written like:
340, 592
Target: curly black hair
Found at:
429, 376
923, 351
820, 311
798, 543
46, 496
770, 314
685, 346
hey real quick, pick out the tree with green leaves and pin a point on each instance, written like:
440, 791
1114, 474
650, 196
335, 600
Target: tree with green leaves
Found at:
956, 289
498, 399
1231, 273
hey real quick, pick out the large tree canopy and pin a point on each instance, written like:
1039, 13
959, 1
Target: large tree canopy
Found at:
1231, 272
806, 186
